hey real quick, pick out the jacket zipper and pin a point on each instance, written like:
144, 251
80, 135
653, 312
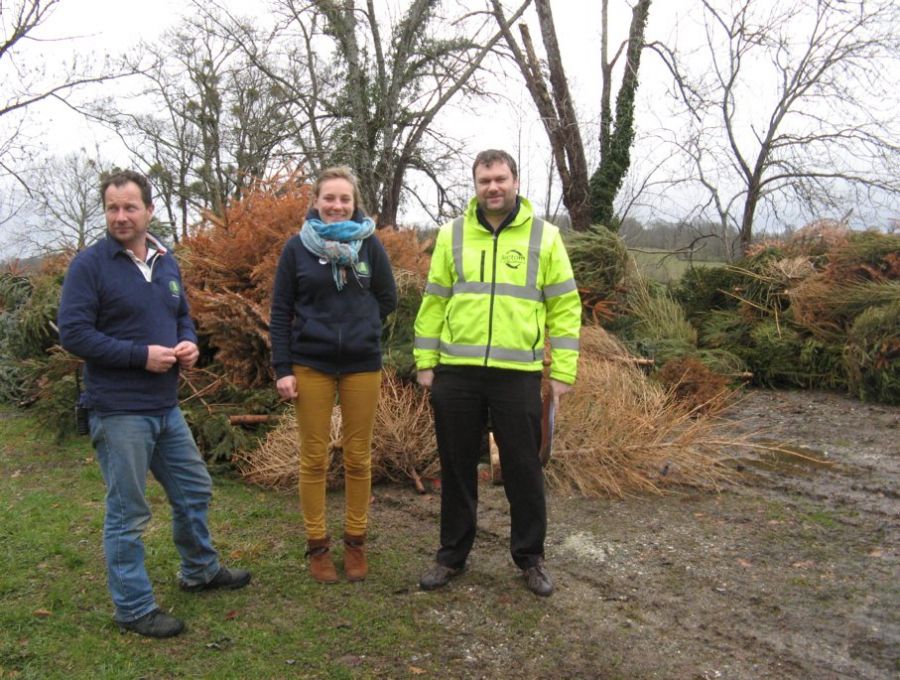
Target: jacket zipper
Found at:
483, 255
487, 349
152, 265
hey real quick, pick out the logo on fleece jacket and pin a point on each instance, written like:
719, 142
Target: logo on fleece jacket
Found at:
513, 259
174, 288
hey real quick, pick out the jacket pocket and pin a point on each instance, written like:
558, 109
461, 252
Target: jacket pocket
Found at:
361, 338
314, 338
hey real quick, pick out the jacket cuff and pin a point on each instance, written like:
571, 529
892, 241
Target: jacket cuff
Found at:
283, 371
426, 363
566, 378
139, 354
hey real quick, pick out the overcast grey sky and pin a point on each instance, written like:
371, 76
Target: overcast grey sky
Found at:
100, 27
109, 26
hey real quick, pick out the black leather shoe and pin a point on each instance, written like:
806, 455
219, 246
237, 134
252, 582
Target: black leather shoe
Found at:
232, 579
437, 576
156, 624
538, 580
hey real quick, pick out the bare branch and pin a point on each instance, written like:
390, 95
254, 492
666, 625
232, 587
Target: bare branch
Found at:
819, 131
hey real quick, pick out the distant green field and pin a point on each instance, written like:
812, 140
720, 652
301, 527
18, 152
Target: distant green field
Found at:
665, 267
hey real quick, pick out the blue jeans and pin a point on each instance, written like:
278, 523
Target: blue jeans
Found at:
127, 447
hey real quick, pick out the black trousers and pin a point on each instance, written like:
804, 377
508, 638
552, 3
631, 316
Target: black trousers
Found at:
462, 399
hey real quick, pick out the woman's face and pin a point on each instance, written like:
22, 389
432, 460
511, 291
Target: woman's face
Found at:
335, 200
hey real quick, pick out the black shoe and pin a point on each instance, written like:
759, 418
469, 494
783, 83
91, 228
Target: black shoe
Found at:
232, 579
156, 624
538, 580
437, 577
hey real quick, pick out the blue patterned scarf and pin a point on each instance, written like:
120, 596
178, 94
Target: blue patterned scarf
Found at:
337, 243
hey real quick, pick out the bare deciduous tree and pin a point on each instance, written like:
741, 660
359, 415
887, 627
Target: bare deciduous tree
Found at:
215, 124
28, 81
587, 198
792, 103
556, 108
65, 208
371, 87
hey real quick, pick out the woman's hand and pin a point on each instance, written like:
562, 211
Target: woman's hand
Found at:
287, 387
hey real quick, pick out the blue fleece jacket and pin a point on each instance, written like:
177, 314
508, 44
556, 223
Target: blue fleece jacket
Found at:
109, 314
314, 324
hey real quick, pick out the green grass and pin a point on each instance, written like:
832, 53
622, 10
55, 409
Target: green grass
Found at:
822, 518
664, 267
56, 615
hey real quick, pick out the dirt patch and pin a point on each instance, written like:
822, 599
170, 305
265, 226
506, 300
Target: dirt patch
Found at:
792, 575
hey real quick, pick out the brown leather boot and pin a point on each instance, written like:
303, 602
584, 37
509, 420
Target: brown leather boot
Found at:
321, 568
355, 565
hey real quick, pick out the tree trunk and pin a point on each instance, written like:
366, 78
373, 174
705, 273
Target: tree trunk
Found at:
616, 157
746, 234
556, 111
575, 191
390, 200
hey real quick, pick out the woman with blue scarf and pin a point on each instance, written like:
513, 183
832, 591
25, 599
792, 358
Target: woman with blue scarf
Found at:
333, 289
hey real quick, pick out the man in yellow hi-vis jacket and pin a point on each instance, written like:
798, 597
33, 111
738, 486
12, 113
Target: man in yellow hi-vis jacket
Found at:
500, 280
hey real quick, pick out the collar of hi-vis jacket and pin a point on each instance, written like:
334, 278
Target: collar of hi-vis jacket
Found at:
510, 217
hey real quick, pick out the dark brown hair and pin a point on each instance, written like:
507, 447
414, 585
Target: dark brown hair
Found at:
123, 177
491, 156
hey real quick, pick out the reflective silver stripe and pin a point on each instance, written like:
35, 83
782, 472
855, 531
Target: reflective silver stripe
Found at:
522, 356
500, 353
509, 289
440, 291
475, 287
534, 252
428, 343
472, 351
564, 343
457, 246
521, 292
558, 289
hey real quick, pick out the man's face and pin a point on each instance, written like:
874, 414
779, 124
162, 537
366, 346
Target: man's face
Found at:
127, 218
496, 188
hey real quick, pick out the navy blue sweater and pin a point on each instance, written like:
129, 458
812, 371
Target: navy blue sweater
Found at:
109, 314
313, 324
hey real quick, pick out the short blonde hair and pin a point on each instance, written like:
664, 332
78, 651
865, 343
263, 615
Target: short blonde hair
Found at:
340, 172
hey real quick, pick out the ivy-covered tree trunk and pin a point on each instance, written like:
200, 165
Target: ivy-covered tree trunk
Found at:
615, 147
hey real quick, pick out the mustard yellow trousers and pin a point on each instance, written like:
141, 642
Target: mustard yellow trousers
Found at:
357, 396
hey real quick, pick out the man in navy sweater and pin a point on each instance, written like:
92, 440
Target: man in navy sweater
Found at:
123, 310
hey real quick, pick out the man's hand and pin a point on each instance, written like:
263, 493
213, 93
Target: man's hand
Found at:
425, 377
557, 389
287, 387
186, 352
160, 359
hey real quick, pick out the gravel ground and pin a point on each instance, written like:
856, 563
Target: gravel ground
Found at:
792, 574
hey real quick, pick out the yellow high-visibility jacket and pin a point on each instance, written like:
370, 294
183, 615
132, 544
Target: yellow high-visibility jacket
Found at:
491, 296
